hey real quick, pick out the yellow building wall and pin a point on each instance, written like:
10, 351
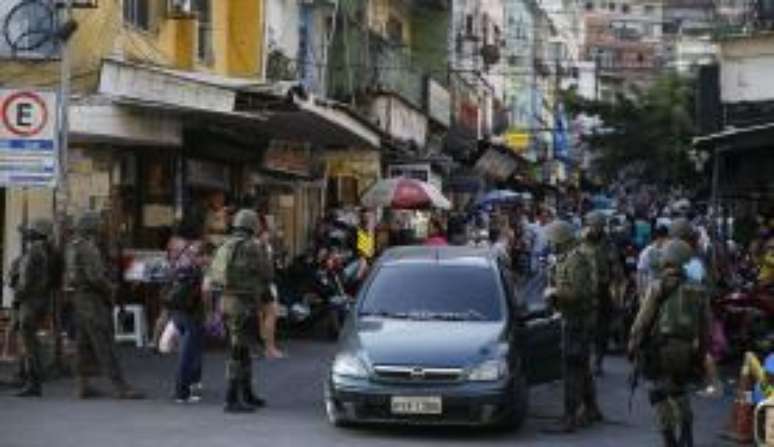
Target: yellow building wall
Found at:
238, 35
238, 42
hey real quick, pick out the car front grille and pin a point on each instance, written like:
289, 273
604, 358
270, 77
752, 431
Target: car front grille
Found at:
417, 374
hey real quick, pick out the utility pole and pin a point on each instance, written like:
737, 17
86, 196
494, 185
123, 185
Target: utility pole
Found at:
60, 210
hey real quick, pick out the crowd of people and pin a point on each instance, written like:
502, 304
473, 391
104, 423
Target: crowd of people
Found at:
680, 269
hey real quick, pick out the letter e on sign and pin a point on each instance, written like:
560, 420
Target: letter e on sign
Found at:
24, 114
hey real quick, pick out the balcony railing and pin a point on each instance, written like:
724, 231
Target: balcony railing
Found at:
391, 69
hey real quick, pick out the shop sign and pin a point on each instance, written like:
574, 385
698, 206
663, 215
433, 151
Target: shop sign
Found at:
517, 141
399, 120
438, 102
290, 157
28, 144
422, 172
353, 163
496, 165
208, 174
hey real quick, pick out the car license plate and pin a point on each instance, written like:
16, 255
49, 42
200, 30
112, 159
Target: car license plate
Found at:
416, 405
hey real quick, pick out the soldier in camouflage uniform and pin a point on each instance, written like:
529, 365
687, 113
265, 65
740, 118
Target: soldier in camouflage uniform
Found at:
243, 269
668, 340
571, 293
33, 292
91, 291
606, 268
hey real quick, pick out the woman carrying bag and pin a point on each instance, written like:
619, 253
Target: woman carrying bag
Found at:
184, 300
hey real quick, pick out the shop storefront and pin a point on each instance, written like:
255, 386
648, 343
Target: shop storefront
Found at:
349, 174
288, 190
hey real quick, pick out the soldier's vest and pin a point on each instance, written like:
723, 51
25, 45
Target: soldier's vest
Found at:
677, 330
235, 266
37, 292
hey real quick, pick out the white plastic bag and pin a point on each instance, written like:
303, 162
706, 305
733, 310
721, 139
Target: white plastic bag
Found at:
170, 339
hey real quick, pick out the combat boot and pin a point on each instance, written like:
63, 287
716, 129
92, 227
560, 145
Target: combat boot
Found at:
686, 435
590, 414
233, 403
668, 436
566, 425
85, 390
125, 392
249, 396
32, 389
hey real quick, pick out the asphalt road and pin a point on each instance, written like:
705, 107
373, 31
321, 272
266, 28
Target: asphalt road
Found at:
295, 416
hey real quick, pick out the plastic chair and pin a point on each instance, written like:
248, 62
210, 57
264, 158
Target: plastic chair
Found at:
133, 329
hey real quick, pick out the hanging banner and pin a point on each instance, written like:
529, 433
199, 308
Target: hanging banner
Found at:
28, 143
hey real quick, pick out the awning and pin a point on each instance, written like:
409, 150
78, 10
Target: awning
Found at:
737, 138
96, 119
276, 110
319, 122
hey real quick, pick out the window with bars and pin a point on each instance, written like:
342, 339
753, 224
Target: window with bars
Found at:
204, 35
137, 13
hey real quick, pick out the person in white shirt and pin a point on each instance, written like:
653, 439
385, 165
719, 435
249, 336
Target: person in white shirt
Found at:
647, 266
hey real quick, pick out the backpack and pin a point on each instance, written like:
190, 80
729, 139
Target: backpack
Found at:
234, 267
677, 331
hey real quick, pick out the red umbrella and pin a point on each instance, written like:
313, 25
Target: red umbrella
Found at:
404, 193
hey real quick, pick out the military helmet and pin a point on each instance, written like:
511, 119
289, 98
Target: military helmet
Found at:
88, 222
560, 233
42, 227
675, 254
681, 228
594, 219
247, 220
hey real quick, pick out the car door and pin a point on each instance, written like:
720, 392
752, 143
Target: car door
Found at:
542, 330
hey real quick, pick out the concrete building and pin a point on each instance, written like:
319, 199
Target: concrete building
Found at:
624, 40
740, 131
171, 112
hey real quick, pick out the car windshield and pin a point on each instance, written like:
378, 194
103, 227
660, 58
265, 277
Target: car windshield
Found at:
434, 292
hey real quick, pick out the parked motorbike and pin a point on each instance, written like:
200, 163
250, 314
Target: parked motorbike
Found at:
747, 317
312, 293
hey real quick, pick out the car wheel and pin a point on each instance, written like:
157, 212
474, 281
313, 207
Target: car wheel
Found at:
520, 406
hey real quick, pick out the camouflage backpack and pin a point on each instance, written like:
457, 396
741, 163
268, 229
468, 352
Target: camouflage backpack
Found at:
234, 266
678, 329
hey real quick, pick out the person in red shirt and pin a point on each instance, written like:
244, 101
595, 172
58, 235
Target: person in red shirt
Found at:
436, 234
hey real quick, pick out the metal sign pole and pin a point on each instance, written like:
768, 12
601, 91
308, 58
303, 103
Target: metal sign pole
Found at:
62, 184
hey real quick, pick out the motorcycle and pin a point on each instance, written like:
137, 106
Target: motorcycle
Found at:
313, 295
747, 317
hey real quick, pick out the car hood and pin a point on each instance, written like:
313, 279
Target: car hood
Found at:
425, 343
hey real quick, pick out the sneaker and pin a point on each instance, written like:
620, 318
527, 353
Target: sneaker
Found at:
197, 388
192, 399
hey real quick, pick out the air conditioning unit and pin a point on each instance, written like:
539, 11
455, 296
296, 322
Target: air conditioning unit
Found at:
180, 8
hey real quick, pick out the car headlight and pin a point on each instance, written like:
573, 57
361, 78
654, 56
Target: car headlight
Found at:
489, 371
349, 365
